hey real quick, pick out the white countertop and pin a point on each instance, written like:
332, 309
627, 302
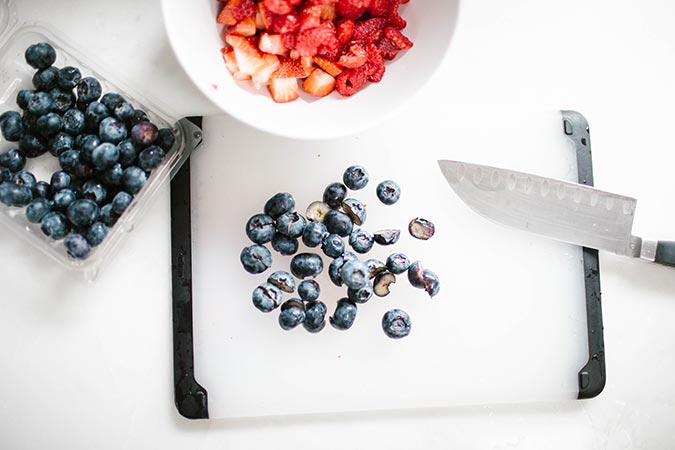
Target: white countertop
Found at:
90, 366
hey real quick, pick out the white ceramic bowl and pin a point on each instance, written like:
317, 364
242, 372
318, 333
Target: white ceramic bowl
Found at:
196, 41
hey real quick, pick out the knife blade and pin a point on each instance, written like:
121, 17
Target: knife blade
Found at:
557, 209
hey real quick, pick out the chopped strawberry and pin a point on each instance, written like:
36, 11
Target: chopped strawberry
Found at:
351, 9
284, 90
278, 6
230, 60
236, 10
307, 64
290, 68
387, 48
310, 18
289, 23
320, 2
263, 18
308, 41
288, 39
350, 81
319, 83
245, 27
379, 8
369, 29
345, 31
247, 55
270, 64
355, 58
397, 38
327, 65
375, 64
327, 12
272, 43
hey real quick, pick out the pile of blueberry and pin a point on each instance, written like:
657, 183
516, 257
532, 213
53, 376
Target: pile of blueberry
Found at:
105, 147
331, 225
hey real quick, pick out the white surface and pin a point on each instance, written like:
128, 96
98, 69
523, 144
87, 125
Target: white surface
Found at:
90, 366
430, 28
473, 343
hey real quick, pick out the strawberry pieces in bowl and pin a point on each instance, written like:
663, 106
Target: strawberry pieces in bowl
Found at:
319, 46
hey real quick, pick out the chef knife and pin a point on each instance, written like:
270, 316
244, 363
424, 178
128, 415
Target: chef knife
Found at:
557, 209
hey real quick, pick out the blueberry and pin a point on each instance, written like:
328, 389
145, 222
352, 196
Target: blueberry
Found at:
32, 146
88, 90
37, 209
305, 265
397, 263
355, 210
420, 228
29, 122
108, 216
256, 259
23, 96
55, 225
69, 160
50, 124
260, 228
144, 133
315, 316
25, 178
121, 202
284, 244
105, 156
165, 139
112, 130
62, 100
387, 237
42, 189
279, 204
333, 245
13, 159
60, 143
344, 315
283, 280
68, 77
361, 240
355, 274
267, 297
96, 233
12, 194
375, 266
316, 211
382, 282
290, 224
11, 126
133, 179
111, 100
88, 143
84, 171
338, 222
46, 79
127, 151
361, 295
335, 267
150, 157
123, 111
64, 198
60, 180
73, 121
40, 103
139, 116
423, 279
95, 190
94, 114
292, 314
396, 323
309, 290
83, 212
388, 192
355, 177
40, 56
77, 246
113, 175
334, 194
5, 174
313, 234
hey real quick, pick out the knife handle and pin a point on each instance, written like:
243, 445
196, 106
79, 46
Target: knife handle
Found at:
665, 253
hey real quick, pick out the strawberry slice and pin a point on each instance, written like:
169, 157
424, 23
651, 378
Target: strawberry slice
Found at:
247, 55
355, 58
319, 83
345, 31
272, 43
397, 38
284, 90
331, 67
289, 68
236, 10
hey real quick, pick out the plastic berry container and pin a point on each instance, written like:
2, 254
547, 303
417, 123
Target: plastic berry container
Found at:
16, 74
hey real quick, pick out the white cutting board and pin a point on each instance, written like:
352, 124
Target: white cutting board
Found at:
508, 325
